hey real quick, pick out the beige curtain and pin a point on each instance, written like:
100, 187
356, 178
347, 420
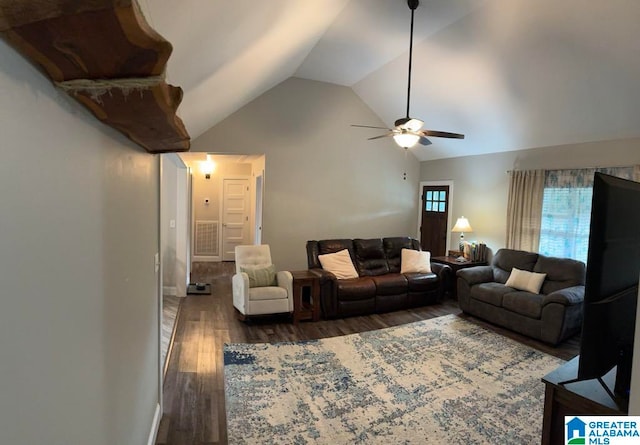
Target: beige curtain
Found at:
524, 209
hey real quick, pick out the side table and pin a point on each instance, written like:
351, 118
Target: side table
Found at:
306, 296
455, 265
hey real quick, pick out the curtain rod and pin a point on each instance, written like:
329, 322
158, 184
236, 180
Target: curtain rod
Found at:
576, 168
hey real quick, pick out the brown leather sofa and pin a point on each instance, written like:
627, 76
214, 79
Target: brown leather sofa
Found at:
380, 287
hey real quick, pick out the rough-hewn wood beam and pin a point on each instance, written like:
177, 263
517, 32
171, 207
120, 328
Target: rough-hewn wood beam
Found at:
105, 55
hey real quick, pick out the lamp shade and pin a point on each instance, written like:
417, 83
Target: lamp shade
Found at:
406, 140
462, 225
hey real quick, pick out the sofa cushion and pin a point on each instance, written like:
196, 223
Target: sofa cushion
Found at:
390, 284
339, 264
370, 259
267, 293
491, 293
393, 250
422, 282
525, 280
523, 303
356, 289
561, 273
506, 259
415, 261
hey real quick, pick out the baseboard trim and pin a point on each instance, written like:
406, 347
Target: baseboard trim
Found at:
170, 290
155, 425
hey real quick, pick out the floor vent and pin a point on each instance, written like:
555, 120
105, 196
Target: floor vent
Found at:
206, 242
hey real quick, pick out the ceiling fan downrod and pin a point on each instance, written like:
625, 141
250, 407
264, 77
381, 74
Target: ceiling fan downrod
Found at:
413, 4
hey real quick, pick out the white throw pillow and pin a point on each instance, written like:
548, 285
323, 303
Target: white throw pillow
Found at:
415, 261
339, 264
525, 280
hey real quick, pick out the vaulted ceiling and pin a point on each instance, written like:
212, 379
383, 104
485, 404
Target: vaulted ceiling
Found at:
509, 74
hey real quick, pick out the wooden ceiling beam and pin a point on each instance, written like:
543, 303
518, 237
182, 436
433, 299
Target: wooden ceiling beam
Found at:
106, 56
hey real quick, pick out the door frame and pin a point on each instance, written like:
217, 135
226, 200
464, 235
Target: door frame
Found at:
258, 197
448, 183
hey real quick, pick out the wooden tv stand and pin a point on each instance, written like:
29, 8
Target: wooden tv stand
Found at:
586, 398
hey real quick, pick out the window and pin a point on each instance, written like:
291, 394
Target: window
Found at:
566, 211
564, 230
435, 201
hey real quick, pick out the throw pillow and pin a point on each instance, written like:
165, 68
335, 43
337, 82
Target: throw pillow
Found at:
339, 264
415, 261
525, 280
261, 276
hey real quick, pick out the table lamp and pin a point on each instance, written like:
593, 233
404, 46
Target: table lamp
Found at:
462, 225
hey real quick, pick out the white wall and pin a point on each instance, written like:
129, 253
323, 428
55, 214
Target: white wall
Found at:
78, 233
323, 178
482, 183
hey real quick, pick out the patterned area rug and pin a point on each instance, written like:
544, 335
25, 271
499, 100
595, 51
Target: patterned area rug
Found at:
438, 381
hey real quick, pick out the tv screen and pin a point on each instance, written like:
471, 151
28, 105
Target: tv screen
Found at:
611, 287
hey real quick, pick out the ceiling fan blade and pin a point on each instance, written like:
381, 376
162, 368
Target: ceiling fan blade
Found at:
424, 141
381, 136
442, 134
370, 126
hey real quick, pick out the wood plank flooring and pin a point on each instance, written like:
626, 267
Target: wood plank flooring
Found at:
194, 410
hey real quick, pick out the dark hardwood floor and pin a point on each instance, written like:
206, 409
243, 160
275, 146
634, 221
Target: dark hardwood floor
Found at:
194, 410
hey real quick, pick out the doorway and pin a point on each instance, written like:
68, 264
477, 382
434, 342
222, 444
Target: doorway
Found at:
434, 216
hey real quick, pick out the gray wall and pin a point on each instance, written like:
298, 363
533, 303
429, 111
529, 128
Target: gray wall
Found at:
481, 183
323, 178
78, 233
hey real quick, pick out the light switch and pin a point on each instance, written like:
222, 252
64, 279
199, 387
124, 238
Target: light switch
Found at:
172, 223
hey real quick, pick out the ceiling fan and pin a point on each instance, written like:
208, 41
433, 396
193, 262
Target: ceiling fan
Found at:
407, 131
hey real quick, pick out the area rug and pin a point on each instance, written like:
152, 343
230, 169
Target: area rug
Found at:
438, 381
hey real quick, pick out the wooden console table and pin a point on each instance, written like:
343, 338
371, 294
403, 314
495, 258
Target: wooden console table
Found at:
306, 305
455, 265
587, 398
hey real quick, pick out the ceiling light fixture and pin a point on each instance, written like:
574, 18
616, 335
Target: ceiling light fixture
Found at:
406, 139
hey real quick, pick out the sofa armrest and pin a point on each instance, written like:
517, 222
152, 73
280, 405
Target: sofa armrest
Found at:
328, 292
285, 280
568, 296
440, 269
476, 274
323, 275
446, 274
240, 286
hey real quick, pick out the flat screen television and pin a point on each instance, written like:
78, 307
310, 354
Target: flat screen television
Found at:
611, 286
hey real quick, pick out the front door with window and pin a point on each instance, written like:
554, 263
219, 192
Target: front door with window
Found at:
435, 215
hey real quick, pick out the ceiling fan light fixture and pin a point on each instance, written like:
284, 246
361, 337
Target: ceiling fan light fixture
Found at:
406, 140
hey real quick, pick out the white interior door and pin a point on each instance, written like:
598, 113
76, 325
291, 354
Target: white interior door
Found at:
235, 216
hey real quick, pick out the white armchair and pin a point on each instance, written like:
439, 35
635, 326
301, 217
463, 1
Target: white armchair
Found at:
257, 287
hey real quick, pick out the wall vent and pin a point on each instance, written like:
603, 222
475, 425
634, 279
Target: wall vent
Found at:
206, 239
